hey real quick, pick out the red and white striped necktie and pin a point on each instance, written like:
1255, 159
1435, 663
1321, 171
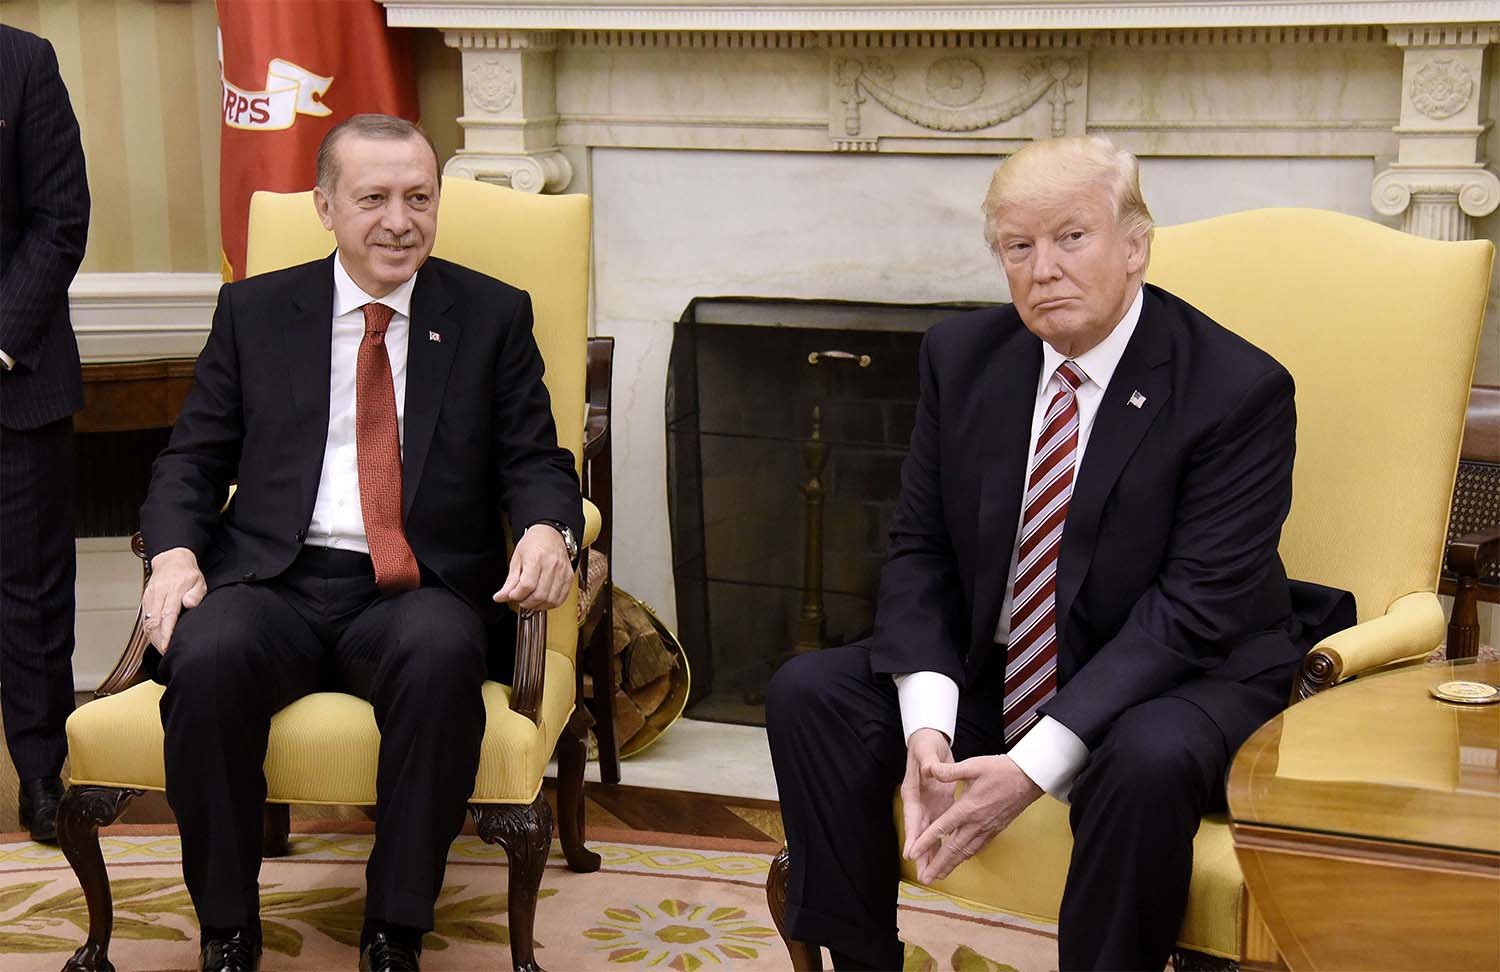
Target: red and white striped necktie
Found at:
1031, 656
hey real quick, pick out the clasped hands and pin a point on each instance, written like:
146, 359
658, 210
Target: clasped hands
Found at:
540, 576
944, 828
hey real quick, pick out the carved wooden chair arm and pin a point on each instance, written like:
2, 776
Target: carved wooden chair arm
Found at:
1474, 555
128, 669
531, 665
601, 351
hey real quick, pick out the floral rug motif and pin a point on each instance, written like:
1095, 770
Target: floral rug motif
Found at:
680, 903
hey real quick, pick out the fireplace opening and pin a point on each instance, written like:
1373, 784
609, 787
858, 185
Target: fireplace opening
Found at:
787, 421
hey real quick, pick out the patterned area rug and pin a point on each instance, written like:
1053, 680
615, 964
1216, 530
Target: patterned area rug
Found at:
659, 902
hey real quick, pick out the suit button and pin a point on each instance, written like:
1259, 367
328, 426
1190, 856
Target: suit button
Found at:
248, 575
301, 535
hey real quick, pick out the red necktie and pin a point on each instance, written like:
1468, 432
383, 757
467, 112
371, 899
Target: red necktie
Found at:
1031, 656
378, 444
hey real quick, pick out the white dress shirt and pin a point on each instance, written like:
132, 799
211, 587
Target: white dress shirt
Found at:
6, 361
338, 520
1050, 753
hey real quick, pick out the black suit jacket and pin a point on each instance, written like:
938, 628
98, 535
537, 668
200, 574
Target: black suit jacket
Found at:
1167, 569
478, 437
44, 221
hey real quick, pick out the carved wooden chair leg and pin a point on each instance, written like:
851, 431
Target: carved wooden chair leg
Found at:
276, 830
601, 659
526, 834
805, 957
571, 755
83, 810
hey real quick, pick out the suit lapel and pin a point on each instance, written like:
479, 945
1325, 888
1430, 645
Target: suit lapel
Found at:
428, 362
1004, 423
307, 333
1118, 430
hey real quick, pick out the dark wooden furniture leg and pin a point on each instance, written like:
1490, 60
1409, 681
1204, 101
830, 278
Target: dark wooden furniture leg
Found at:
526, 834
1470, 558
805, 957
1187, 960
598, 486
572, 753
83, 810
276, 830
602, 667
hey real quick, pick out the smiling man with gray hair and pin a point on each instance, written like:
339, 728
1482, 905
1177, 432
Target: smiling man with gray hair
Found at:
1083, 595
365, 549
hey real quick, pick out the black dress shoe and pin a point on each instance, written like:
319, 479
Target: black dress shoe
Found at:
38, 805
385, 954
237, 951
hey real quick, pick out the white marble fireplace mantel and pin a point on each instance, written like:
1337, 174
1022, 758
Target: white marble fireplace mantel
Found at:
926, 14
543, 82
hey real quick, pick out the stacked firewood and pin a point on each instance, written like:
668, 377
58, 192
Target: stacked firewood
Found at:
644, 666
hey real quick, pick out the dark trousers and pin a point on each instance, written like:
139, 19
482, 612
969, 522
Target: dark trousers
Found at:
249, 650
38, 566
839, 753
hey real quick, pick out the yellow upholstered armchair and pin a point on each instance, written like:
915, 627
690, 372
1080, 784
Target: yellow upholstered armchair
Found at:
323, 747
1379, 329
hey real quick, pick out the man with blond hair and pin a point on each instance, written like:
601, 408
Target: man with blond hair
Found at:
1083, 595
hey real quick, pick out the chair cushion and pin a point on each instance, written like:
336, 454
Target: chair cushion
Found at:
323, 747
1021, 873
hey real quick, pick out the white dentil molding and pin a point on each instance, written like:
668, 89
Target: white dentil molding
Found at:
928, 14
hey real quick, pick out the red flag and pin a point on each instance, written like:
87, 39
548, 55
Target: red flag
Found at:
290, 70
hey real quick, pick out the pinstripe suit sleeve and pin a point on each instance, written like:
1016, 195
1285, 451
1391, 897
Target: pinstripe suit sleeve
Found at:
54, 209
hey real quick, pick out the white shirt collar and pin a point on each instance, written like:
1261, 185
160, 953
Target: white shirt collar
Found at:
1100, 361
349, 296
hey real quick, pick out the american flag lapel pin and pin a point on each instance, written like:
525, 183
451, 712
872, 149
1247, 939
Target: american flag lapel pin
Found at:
1137, 399
437, 338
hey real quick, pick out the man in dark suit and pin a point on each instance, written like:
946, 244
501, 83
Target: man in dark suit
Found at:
380, 411
44, 220
1083, 595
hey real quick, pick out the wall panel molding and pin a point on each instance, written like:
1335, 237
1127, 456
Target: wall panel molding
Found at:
136, 316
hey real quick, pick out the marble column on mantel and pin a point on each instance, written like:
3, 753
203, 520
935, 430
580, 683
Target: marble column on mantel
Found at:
510, 110
1438, 183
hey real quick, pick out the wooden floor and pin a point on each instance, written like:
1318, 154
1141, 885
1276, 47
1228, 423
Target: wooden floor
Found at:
618, 807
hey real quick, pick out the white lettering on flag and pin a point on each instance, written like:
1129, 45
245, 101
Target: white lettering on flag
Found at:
290, 90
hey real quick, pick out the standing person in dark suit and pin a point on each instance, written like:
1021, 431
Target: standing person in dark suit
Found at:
380, 410
1083, 595
44, 221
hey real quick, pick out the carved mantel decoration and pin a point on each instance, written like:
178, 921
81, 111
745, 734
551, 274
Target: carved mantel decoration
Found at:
979, 76
1438, 183
510, 111
953, 94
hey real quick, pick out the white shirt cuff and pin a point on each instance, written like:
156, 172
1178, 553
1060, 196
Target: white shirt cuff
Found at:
929, 700
1051, 754
7, 361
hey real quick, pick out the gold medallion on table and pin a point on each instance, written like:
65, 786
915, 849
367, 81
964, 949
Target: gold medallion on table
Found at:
1468, 693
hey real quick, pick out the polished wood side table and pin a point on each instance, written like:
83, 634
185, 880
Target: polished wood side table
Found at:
1367, 823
